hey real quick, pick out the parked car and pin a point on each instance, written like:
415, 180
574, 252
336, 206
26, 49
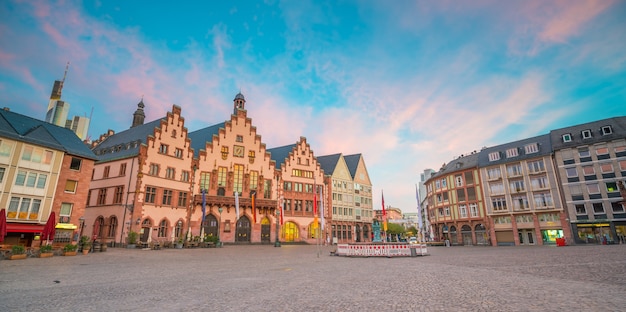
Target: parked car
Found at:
413, 240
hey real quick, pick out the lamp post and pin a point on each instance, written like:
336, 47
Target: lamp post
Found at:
219, 227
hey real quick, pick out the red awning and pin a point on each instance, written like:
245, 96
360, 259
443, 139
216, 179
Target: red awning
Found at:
24, 228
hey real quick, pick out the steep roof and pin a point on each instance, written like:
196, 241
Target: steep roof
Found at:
328, 163
26, 129
617, 125
126, 143
462, 163
543, 148
279, 154
352, 161
200, 137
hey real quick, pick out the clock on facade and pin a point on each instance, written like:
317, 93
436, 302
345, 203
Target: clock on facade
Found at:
238, 151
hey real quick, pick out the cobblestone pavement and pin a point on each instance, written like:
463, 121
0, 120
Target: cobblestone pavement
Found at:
307, 278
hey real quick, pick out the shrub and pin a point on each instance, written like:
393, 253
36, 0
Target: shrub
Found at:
132, 237
18, 250
45, 248
70, 247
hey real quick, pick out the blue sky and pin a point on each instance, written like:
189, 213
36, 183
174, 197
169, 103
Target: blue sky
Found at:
409, 84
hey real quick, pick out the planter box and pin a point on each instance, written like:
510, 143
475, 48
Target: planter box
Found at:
46, 255
17, 257
69, 253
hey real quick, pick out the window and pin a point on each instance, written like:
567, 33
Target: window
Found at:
496, 188
498, 204
443, 183
602, 151
598, 208
119, 194
536, 166
588, 170
473, 210
531, 148
606, 168
205, 179
517, 186
586, 134
617, 207
469, 178
446, 211
567, 137
27, 154
593, 188
287, 187
458, 180
170, 173
584, 153
112, 227
543, 200
493, 156
178, 153
514, 170
611, 187
463, 211
238, 178
70, 186
471, 193
512, 152
224, 152
460, 194
2, 170
575, 190
606, 130
580, 209
20, 178
150, 194
184, 176
163, 149
239, 138
5, 148
105, 174
41, 181
102, 196
162, 229
182, 199
221, 176
622, 165
154, 170
571, 172
254, 179
167, 197
66, 209
494, 173
539, 183
520, 202
76, 163
122, 170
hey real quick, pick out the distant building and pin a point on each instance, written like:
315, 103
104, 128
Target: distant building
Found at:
80, 126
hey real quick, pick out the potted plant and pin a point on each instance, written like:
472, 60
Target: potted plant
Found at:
45, 251
70, 250
85, 243
17, 252
132, 240
179, 243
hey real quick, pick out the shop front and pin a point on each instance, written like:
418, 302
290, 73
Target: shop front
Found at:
593, 233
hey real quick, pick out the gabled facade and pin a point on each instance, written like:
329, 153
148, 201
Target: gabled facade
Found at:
301, 181
43, 169
591, 161
455, 203
349, 196
522, 193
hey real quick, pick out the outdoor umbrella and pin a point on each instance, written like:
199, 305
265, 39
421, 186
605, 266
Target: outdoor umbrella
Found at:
48, 230
3, 225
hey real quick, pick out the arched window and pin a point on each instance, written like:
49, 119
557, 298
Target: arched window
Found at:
313, 230
163, 228
179, 228
112, 227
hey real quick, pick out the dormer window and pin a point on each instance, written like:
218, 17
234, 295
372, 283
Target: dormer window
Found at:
586, 134
512, 152
606, 130
567, 137
493, 156
531, 148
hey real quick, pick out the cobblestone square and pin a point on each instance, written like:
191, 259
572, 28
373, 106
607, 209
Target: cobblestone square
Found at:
307, 278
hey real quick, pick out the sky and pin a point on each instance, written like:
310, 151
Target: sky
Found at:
408, 84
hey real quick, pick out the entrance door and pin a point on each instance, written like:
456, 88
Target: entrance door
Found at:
526, 237
210, 225
265, 230
243, 229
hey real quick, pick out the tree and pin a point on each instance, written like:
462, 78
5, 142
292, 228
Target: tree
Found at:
394, 228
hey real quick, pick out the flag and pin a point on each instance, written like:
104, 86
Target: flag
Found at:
203, 205
322, 206
236, 206
315, 206
254, 206
282, 211
419, 210
384, 212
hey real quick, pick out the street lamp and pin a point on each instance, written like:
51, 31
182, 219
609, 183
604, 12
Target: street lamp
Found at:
219, 227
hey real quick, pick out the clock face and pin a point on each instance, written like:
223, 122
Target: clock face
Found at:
238, 151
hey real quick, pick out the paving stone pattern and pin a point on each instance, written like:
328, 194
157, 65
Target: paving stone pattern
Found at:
307, 278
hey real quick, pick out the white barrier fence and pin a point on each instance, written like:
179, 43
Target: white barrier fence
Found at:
381, 250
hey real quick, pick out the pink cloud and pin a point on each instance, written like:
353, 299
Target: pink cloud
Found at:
569, 17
